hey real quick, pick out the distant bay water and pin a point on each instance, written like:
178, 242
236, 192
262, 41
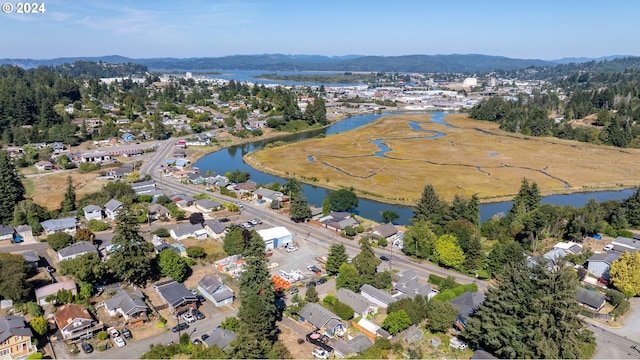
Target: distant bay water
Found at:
252, 77
231, 158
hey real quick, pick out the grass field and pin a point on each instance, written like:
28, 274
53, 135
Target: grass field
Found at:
47, 189
473, 157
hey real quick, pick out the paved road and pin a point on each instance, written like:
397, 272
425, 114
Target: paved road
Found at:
612, 346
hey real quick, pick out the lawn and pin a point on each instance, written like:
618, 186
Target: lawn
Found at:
48, 189
472, 157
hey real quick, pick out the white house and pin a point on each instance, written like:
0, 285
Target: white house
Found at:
76, 249
266, 196
184, 231
111, 208
92, 212
276, 237
129, 305
377, 296
214, 290
6, 232
215, 229
67, 225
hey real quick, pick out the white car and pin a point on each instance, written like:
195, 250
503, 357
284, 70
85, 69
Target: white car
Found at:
319, 353
119, 341
457, 344
188, 317
239, 205
113, 332
292, 249
608, 247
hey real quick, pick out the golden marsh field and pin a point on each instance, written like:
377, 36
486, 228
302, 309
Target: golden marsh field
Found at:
466, 158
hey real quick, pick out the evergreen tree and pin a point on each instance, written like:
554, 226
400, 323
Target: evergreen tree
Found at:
532, 313
366, 262
300, 209
326, 206
632, 207
131, 261
173, 265
11, 188
348, 278
292, 187
337, 256
343, 200
311, 295
429, 208
69, 202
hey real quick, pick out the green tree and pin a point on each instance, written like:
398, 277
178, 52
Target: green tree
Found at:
326, 206
441, 316
173, 265
396, 322
447, 252
84, 268
389, 216
430, 207
59, 240
230, 323
97, 225
344, 311
39, 325
84, 235
532, 313
348, 278
196, 252
631, 205
419, 239
311, 294
69, 202
233, 242
366, 262
336, 257
625, 273
11, 188
13, 282
503, 254
343, 200
300, 209
237, 176
292, 187
131, 261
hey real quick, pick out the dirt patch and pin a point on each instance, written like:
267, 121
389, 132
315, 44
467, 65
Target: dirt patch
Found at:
290, 341
47, 189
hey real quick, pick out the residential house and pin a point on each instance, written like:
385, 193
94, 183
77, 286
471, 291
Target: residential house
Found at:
466, 304
75, 322
207, 205
598, 265
95, 157
184, 231
385, 231
245, 187
590, 299
15, 338
176, 296
221, 338
215, 229
214, 290
377, 296
128, 137
266, 196
358, 344
322, 319
158, 212
360, 305
569, 247
111, 208
195, 178
67, 225
406, 284
183, 200
43, 165
371, 329
92, 212
164, 246
52, 289
57, 147
76, 249
7, 232
31, 257
338, 221
130, 305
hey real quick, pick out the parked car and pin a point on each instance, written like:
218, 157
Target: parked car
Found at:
224, 220
608, 247
198, 314
188, 318
457, 344
201, 298
292, 249
119, 341
311, 283
50, 269
384, 258
321, 281
319, 353
204, 337
239, 205
180, 327
194, 292
87, 348
113, 332
197, 342
126, 333
293, 291
603, 281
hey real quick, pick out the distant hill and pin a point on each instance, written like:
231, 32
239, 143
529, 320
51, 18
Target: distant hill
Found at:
581, 60
470, 63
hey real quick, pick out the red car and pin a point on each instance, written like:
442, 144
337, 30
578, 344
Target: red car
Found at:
603, 281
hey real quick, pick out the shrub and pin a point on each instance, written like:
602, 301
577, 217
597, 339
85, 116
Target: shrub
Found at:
448, 283
615, 297
483, 274
34, 309
435, 279
383, 242
445, 296
101, 347
330, 300
102, 335
621, 309
195, 252
59, 240
35, 356
625, 233
343, 310
162, 232
97, 225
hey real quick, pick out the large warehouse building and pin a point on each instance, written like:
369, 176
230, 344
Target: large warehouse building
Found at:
276, 237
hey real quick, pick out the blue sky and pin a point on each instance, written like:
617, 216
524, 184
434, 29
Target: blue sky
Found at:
530, 29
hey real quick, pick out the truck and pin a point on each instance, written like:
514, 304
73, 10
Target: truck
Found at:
321, 259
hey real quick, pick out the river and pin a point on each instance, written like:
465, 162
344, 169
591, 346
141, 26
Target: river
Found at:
251, 76
231, 158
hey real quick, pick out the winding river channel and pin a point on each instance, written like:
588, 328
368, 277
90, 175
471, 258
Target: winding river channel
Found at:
231, 158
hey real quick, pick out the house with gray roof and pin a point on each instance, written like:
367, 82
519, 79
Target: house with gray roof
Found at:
385, 231
221, 338
15, 338
76, 249
407, 284
358, 344
45, 291
207, 205
266, 196
321, 318
67, 225
214, 290
6, 232
377, 296
184, 231
92, 212
360, 305
176, 296
111, 208
466, 304
215, 229
598, 265
590, 298
31, 257
157, 212
130, 305
144, 187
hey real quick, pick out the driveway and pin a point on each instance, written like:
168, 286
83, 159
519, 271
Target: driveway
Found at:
631, 326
